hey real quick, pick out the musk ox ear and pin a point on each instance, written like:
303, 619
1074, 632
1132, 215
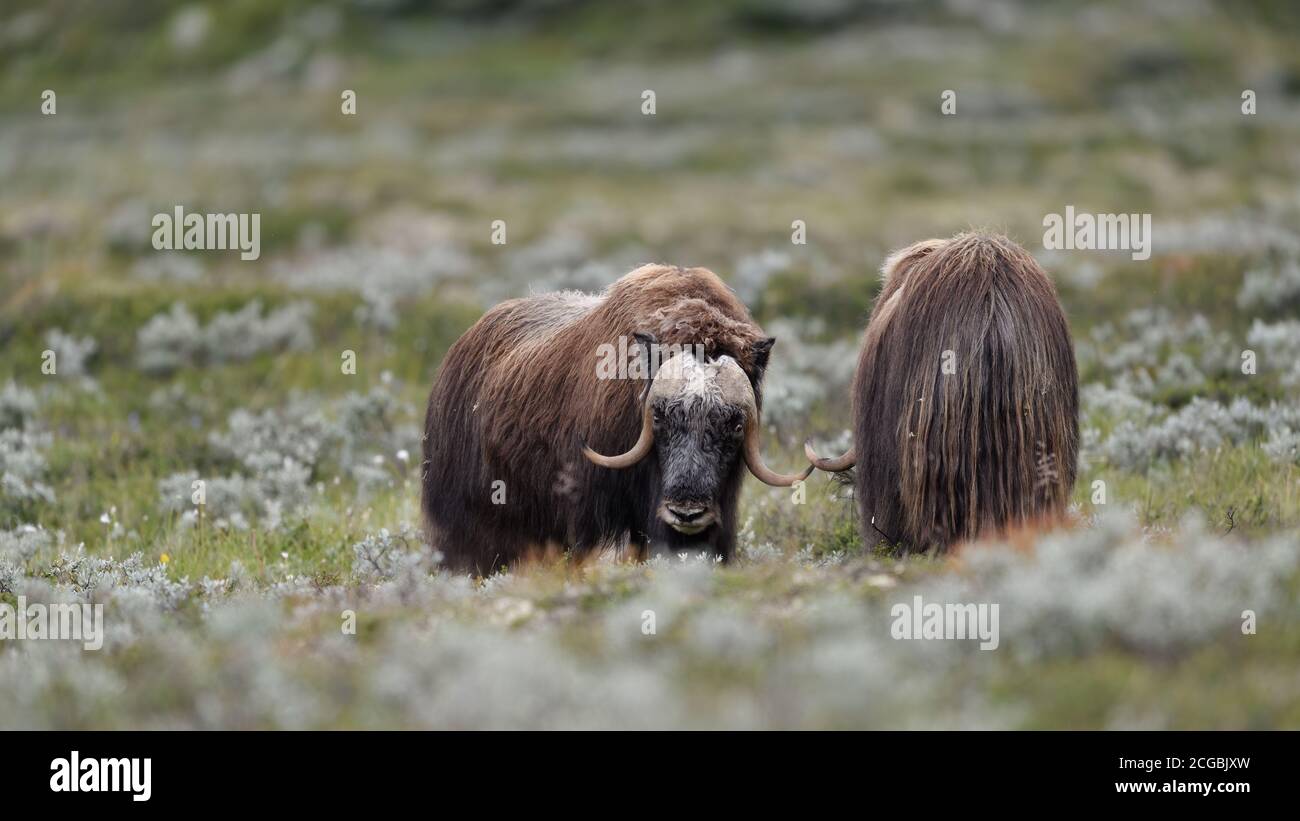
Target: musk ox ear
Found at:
762, 351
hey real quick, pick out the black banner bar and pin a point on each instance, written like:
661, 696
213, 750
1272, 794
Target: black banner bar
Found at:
139, 771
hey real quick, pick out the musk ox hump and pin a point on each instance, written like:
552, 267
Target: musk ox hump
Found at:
688, 306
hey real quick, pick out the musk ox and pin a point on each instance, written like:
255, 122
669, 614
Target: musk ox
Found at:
526, 406
965, 401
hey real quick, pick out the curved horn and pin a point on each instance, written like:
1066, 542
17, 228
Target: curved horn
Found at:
755, 461
638, 452
848, 460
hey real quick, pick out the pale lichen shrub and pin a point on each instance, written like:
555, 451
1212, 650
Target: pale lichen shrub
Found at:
276, 496
1110, 586
71, 353
23, 542
272, 458
810, 371
1100, 403
1201, 426
17, 547
392, 555
18, 406
1278, 346
168, 341
384, 276
96, 578
1149, 352
1274, 289
22, 459
243, 334
1283, 446
176, 339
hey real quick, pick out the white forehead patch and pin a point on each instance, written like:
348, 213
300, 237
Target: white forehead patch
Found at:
684, 378
699, 378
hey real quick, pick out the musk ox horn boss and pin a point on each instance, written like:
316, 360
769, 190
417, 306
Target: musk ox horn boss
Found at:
525, 411
965, 400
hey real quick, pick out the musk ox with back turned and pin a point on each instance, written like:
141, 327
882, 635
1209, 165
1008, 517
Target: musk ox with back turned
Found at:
525, 410
965, 401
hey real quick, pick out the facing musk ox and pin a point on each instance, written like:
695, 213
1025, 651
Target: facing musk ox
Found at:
965, 401
533, 443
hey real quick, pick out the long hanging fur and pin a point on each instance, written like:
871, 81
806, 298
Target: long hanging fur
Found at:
517, 396
946, 457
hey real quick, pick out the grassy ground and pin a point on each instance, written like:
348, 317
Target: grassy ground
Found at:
376, 229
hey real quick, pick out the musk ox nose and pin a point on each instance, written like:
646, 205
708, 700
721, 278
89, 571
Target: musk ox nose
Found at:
689, 518
686, 514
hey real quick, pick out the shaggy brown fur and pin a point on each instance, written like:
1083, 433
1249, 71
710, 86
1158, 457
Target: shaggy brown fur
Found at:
517, 396
948, 457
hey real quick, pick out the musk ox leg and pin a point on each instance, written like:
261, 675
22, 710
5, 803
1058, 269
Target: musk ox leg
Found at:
481, 552
637, 549
724, 532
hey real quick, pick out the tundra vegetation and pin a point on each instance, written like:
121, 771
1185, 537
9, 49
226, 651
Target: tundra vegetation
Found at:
376, 248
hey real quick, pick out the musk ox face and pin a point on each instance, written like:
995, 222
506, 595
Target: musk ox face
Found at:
700, 419
698, 410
